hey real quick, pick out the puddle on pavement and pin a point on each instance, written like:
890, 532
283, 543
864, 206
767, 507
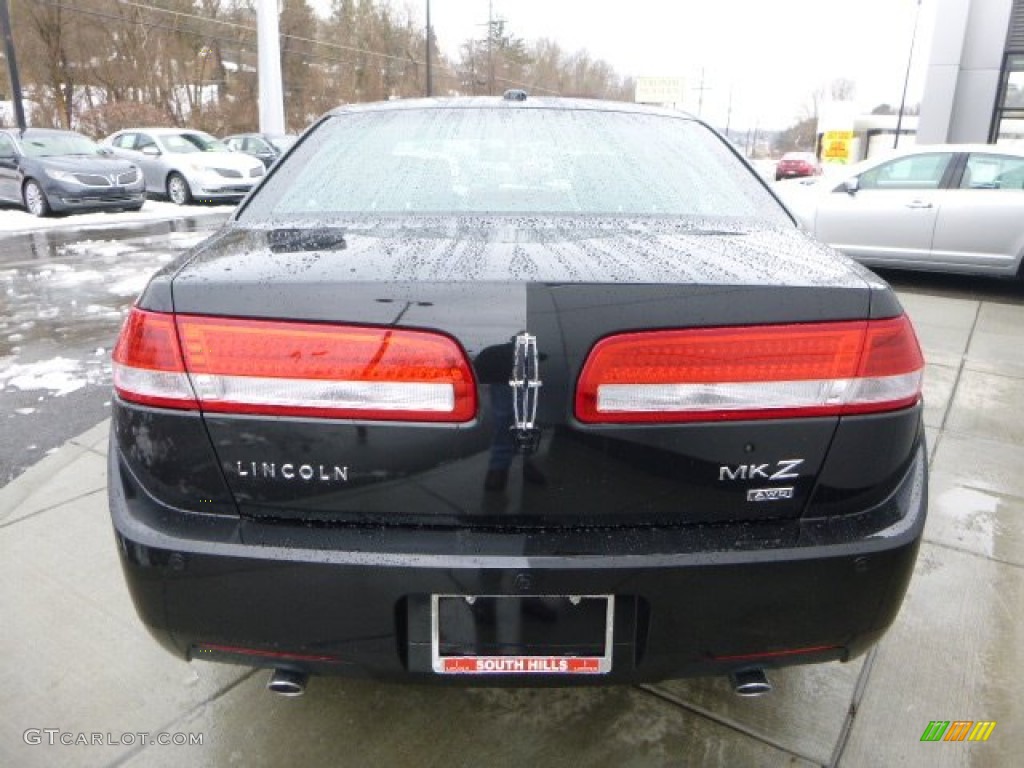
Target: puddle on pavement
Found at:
982, 521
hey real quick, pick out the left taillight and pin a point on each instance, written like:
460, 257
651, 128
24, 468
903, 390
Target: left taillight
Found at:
280, 368
148, 366
752, 372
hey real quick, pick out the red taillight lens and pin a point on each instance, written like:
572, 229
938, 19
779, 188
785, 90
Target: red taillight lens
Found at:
148, 367
753, 372
305, 369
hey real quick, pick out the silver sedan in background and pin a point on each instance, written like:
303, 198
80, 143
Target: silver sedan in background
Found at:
187, 165
939, 207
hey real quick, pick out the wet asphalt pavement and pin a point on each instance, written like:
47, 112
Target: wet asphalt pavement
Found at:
63, 295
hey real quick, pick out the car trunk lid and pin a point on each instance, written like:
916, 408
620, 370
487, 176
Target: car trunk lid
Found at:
488, 285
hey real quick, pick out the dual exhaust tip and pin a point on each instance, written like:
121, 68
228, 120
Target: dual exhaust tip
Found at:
745, 682
750, 682
286, 682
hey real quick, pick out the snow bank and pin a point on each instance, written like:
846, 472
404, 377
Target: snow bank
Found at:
15, 220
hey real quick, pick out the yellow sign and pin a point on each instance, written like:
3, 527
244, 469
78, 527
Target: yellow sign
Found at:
837, 146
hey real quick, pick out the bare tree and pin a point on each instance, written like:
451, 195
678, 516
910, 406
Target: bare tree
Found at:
193, 62
49, 63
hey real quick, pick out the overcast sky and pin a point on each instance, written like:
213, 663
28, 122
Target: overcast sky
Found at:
770, 55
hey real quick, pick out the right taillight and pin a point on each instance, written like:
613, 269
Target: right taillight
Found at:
751, 372
283, 368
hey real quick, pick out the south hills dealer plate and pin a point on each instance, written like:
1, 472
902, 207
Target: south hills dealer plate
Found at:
522, 635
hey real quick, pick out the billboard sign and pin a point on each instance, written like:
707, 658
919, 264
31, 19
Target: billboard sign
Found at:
659, 90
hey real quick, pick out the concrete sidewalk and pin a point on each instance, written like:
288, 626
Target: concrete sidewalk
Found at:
76, 659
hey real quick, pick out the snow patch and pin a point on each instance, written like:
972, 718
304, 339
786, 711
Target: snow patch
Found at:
59, 376
129, 286
72, 278
99, 248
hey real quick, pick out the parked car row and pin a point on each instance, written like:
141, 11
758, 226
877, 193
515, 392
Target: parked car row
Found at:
187, 165
55, 171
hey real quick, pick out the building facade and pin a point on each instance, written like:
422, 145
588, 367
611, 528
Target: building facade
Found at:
974, 91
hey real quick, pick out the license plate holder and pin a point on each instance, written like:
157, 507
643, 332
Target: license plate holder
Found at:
522, 635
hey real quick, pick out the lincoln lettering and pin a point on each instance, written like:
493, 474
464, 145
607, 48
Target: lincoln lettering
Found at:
269, 470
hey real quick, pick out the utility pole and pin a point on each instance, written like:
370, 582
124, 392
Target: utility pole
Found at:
751, 143
430, 82
700, 94
728, 114
490, 47
268, 42
906, 78
12, 65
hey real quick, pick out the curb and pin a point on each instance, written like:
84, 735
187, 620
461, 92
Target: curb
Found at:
35, 479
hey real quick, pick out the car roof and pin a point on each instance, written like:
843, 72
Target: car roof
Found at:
492, 102
163, 131
40, 132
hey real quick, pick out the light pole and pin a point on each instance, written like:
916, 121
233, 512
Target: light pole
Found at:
12, 65
268, 44
430, 81
906, 77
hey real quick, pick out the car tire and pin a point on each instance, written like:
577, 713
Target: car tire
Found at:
178, 190
35, 199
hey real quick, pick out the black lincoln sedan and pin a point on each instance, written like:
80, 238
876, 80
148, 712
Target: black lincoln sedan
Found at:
516, 391
50, 171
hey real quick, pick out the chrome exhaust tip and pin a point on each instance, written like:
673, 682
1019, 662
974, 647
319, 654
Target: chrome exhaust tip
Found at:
750, 682
285, 682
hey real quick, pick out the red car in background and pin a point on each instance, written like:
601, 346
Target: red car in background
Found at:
796, 164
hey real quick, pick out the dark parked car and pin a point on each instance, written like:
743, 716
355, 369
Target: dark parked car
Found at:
268, 147
63, 171
794, 165
507, 390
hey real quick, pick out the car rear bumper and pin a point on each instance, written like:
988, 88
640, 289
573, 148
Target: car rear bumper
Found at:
209, 186
219, 192
358, 602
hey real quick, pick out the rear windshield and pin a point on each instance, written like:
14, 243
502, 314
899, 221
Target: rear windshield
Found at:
510, 161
